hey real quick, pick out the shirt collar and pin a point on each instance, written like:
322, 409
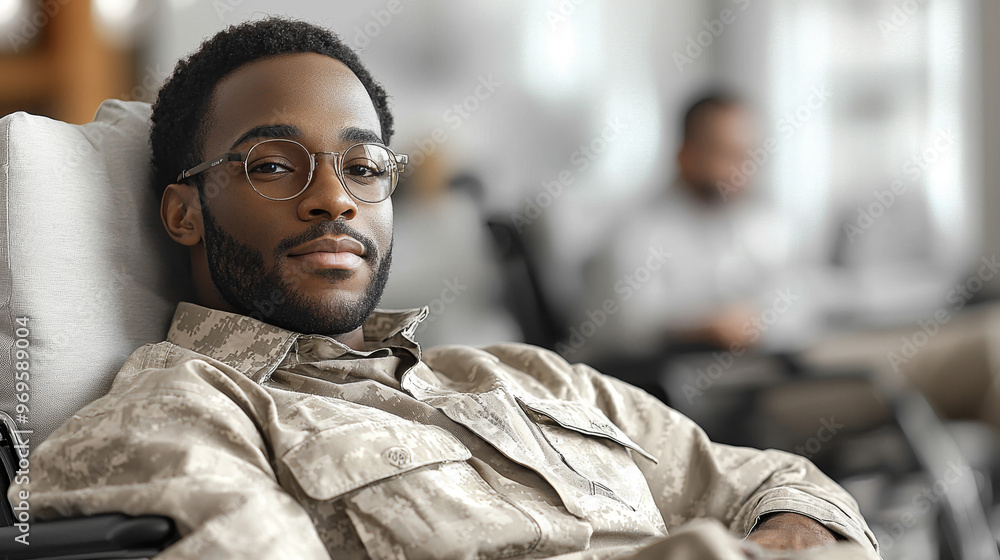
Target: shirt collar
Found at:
256, 348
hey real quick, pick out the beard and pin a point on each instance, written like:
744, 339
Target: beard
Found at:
239, 273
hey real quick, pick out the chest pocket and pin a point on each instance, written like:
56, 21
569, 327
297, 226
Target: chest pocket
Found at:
407, 491
595, 448
340, 460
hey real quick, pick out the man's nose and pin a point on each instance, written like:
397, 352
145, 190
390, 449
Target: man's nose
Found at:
327, 196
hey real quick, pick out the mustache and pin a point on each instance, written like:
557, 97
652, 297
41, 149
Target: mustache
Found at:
325, 228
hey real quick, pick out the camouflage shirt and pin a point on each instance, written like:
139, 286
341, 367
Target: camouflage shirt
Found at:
265, 443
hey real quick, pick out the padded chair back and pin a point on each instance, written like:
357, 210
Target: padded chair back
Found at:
524, 295
87, 273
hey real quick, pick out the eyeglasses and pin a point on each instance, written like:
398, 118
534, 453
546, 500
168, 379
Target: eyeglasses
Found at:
280, 169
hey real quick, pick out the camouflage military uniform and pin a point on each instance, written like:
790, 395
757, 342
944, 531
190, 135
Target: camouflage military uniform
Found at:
264, 443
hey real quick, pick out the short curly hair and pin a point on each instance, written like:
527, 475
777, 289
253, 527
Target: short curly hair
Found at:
179, 113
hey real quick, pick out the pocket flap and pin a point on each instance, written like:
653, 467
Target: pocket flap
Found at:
584, 419
340, 460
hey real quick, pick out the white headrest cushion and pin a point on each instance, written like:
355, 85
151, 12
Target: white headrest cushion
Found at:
84, 258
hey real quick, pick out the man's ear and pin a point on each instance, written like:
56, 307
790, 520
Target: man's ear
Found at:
180, 211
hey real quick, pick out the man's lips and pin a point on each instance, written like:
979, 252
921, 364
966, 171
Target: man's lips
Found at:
330, 252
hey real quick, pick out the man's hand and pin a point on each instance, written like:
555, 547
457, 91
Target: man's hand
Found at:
790, 531
707, 539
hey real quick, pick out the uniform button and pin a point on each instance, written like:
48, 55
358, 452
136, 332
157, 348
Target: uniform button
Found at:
398, 457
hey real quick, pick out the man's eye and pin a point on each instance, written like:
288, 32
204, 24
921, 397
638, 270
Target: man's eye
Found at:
269, 168
363, 169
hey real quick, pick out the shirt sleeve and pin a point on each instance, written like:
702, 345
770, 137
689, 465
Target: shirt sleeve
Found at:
174, 442
696, 478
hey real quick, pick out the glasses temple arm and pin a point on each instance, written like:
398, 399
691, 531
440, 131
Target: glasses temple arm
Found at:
202, 167
401, 161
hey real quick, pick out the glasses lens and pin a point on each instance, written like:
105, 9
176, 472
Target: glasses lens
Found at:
278, 169
369, 172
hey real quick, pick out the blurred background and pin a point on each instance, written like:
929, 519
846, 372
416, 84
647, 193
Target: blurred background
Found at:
804, 259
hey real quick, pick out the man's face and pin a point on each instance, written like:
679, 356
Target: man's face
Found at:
316, 263
717, 149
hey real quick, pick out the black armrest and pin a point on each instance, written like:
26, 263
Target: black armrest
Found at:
112, 535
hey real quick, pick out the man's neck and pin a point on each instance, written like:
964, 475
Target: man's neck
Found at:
354, 339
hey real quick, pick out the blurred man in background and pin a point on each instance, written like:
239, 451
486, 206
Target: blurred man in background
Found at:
723, 246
